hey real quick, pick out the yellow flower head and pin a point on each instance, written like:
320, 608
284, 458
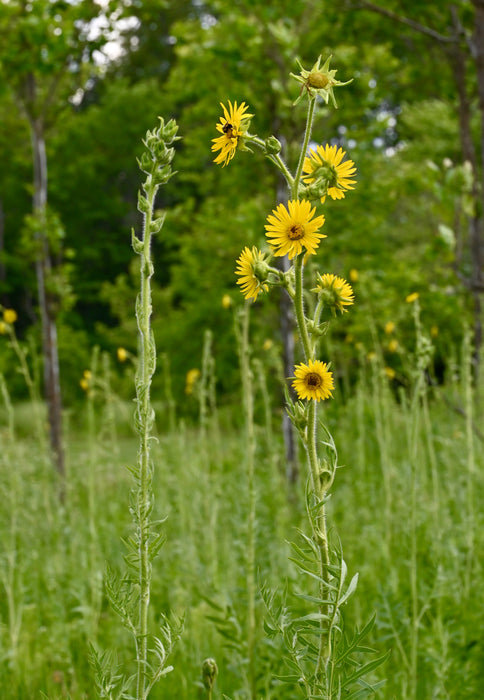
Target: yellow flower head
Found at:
268, 343
354, 275
293, 229
226, 301
326, 172
9, 316
389, 327
3, 328
193, 375
336, 291
252, 271
390, 372
87, 374
84, 384
393, 345
122, 355
233, 126
313, 381
411, 297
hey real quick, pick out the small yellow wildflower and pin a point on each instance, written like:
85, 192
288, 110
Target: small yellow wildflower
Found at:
9, 316
326, 172
84, 384
87, 374
226, 301
353, 275
292, 229
335, 291
411, 297
390, 372
268, 343
393, 345
122, 354
233, 126
371, 356
3, 328
313, 381
193, 375
389, 327
252, 270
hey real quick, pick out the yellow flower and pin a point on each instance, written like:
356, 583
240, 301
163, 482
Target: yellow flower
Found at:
371, 356
3, 328
268, 343
293, 229
393, 345
411, 297
324, 168
233, 126
122, 354
87, 374
252, 270
389, 327
9, 315
84, 384
193, 375
353, 275
226, 301
313, 381
337, 292
390, 372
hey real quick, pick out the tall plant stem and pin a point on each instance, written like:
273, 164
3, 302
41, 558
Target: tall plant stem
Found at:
145, 420
307, 136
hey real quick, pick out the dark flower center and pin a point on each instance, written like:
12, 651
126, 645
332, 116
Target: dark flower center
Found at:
295, 232
314, 380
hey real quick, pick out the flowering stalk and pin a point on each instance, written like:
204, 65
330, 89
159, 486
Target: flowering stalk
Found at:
318, 652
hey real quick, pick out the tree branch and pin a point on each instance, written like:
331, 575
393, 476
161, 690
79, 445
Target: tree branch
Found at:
365, 4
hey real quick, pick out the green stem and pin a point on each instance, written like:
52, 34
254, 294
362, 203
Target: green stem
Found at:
146, 370
299, 306
274, 157
307, 136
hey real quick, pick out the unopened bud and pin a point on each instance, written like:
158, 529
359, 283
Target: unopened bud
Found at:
272, 145
209, 673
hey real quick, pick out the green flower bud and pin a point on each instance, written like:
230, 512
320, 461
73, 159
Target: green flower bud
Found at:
209, 673
272, 145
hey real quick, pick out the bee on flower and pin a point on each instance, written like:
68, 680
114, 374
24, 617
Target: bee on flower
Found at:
233, 126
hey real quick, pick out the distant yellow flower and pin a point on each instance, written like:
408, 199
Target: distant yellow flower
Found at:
293, 229
252, 270
390, 372
9, 316
268, 343
233, 127
84, 384
226, 301
411, 297
337, 292
193, 375
3, 328
353, 275
325, 166
434, 331
389, 327
371, 356
393, 345
122, 354
313, 381
87, 374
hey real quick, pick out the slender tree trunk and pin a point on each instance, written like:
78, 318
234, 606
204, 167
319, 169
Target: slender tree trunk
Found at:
47, 314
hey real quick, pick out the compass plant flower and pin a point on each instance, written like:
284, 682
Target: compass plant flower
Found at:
233, 126
313, 380
335, 292
252, 270
292, 229
318, 81
325, 172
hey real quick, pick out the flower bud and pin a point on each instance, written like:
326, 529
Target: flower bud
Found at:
209, 673
272, 145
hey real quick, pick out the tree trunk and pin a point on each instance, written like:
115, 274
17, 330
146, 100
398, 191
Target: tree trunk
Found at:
46, 307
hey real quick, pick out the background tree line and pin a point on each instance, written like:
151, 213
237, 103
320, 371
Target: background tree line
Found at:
412, 120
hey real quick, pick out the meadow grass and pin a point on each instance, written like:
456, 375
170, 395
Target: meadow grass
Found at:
407, 509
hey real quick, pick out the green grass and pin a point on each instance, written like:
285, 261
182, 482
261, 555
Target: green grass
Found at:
405, 505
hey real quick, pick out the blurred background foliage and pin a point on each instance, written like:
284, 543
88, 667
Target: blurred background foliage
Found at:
403, 229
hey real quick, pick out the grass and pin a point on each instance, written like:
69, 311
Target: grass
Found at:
405, 504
